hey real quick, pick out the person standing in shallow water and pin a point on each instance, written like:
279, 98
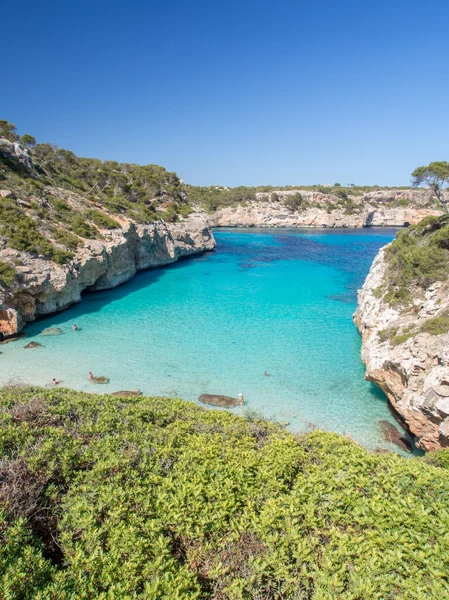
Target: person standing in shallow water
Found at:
75, 327
240, 397
90, 376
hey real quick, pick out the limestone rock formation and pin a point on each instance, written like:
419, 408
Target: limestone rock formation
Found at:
16, 152
44, 287
414, 371
382, 208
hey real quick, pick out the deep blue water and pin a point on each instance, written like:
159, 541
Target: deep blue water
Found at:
266, 300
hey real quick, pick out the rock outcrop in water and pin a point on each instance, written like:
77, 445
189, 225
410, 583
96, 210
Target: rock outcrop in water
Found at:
383, 208
218, 400
43, 287
410, 364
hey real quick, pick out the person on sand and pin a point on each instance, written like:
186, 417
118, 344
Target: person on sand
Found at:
75, 327
266, 374
240, 397
90, 376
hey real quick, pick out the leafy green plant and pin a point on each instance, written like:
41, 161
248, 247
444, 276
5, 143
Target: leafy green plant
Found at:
185, 210
417, 257
7, 273
436, 325
66, 238
159, 498
101, 219
293, 202
80, 226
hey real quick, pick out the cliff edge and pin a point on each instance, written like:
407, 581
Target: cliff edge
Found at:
382, 208
41, 286
403, 317
61, 233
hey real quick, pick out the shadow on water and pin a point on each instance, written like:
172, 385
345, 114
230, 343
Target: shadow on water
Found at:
94, 301
377, 393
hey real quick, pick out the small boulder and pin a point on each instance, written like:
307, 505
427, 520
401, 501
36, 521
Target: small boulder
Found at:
99, 380
217, 400
33, 345
390, 433
52, 331
7, 194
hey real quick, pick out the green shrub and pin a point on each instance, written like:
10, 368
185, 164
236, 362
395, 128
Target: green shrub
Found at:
386, 334
440, 458
61, 205
391, 334
61, 257
436, 325
65, 238
378, 291
82, 228
21, 231
7, 273
397, 340
107, 497
101, 219
417, 257
293, 202
184, 210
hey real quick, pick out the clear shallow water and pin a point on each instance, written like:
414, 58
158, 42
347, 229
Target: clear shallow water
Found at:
274, 300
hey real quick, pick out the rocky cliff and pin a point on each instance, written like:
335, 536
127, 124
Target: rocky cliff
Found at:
42, 287
405, 346
69, 224
383, 208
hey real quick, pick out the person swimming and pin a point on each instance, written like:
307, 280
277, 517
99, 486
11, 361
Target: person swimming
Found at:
90, 376
266, 374
75, 327
54, 381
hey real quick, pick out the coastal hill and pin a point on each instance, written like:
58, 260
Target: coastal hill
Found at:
107, 497
68, 224
403, 316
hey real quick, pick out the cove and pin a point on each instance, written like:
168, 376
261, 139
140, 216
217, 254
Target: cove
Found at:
279, 301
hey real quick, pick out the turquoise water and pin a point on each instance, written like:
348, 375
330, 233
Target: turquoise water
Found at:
266, 300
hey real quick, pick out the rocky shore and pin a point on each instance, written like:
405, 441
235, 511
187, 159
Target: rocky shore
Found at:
43, 287
407, 362
383, 208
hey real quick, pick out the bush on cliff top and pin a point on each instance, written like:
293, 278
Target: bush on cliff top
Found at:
106, 497
417, 257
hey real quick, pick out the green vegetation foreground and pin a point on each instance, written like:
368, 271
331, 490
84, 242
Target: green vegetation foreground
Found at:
106, 497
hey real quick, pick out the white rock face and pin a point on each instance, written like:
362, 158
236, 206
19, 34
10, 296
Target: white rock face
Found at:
375, 209
414, 374
44, 287
17, 152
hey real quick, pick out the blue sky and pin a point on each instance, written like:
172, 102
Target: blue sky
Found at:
236, 92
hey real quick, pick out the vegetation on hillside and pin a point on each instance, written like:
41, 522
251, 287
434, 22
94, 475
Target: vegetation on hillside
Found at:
65, 199
417, 257
214, 198
36, 215
106, 497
